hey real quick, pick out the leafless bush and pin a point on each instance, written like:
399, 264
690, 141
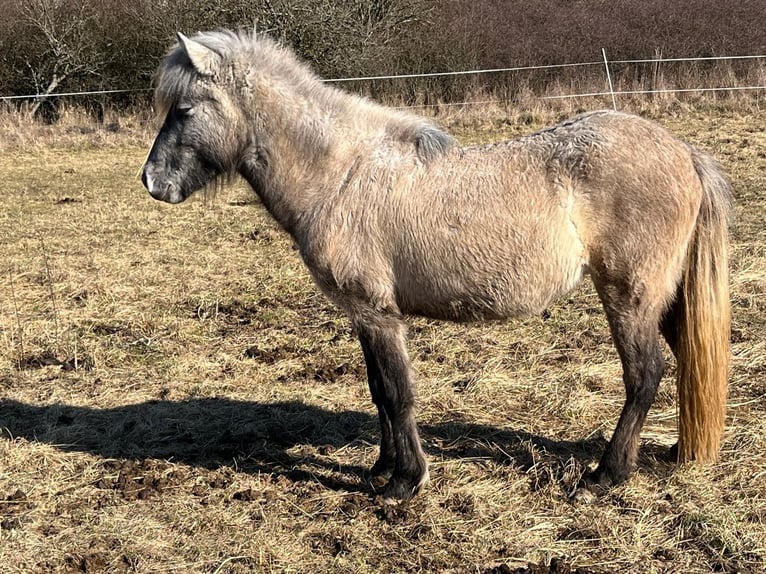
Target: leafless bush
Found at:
48, 46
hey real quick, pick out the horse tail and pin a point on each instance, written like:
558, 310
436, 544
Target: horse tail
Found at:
704, 314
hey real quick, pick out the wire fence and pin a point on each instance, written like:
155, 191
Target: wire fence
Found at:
605, 63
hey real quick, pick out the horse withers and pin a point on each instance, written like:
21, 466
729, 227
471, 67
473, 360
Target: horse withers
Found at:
393, 218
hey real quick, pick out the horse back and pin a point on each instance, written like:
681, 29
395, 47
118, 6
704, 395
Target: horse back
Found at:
502, 230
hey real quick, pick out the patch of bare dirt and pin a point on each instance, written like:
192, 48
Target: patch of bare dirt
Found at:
556, 566
100, 556
139, 480
48, 358
12, 507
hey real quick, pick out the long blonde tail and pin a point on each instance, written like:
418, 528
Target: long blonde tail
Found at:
704, 322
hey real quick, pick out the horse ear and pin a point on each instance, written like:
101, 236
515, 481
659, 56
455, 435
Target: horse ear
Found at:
204, 60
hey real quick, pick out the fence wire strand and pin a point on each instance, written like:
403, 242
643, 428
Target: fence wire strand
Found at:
469, 72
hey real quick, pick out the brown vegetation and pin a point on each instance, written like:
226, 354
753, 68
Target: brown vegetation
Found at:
74, 45
178, 397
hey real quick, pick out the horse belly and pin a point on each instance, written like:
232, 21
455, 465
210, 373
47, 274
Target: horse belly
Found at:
515, 288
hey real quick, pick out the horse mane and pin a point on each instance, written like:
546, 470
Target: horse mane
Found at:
175, 76
433, 142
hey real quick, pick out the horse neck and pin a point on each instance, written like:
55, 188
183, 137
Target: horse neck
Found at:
302, 155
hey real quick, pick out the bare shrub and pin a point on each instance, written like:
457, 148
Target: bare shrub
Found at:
49, 46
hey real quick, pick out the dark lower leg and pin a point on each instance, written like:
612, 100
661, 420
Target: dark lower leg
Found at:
383, 468
642, 371
395, 394
669, 328
411, 468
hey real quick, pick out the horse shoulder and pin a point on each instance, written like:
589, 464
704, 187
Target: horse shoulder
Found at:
346, 256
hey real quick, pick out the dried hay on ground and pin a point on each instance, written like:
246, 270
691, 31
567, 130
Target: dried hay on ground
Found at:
177, 397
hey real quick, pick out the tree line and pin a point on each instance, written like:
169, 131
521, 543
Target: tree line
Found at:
53, 46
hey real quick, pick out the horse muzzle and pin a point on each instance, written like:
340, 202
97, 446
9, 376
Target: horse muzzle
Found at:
161, 189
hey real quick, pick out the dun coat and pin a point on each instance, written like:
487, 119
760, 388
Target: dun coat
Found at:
393, 218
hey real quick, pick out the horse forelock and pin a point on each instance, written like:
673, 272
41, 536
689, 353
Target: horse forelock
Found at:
176, 75
172, 81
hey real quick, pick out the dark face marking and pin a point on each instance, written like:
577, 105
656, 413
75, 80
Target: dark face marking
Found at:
182, 159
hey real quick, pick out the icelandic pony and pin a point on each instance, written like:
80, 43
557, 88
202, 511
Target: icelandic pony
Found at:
392, 218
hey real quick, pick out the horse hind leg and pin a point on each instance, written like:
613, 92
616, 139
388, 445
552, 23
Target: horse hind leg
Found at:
392, 388
669, 327
669, 321
634, 325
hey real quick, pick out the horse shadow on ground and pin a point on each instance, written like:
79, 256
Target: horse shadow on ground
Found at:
212, 433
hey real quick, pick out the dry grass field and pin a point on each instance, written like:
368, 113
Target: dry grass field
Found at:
176, 396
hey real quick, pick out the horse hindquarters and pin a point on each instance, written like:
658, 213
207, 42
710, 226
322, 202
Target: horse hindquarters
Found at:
660, 261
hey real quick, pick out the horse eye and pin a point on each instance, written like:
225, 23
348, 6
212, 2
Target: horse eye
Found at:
185, 109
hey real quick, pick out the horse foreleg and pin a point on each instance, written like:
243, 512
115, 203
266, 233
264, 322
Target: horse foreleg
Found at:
392, 387
383, 468
642, 365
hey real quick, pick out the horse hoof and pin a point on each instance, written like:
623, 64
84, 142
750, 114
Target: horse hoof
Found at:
583, 495
591, 487
400, 489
